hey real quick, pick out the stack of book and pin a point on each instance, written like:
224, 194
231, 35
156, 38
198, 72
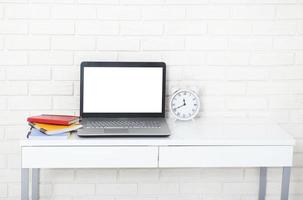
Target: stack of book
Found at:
52, 126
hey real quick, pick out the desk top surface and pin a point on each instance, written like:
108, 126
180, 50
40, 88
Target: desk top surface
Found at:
200, 132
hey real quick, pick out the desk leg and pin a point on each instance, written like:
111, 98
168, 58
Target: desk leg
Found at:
285, 183
35, 184
262, 183
24, 184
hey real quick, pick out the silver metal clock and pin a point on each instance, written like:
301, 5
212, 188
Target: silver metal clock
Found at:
184, 104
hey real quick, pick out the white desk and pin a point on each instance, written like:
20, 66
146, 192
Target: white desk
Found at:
201, 143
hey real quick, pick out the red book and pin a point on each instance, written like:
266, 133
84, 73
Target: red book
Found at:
54, 119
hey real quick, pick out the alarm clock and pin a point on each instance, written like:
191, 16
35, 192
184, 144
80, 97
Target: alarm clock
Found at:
184, 104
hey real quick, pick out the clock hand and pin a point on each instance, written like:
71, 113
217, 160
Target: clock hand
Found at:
184, 104
180, 106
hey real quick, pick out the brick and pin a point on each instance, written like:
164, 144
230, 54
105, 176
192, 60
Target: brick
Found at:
1, 11
2, 132
29, 103
290, 12
1, 43
9, 147
27, 11
117, 43
13, 88
78, 189
296, 116
272, 59
3, 103
185, 28
290, 43
167, 43
98, 1
206, 43
250, 43
246, 103
158, 188
57, 176
298, 161
2, 74
73, 12
223, 88
51, 27
286, 101
228, 58
3, 190
65, 74
104, 197
140, 2
299, 146
300, 27
275, 87
14, 190
141, 28
81, 56
50, 88
13, 27
52, 1
285, 73
219, 174
119, 12
45, 190
253, 12
232, 2
194, 74
13, 117
163, 12
16, 132
200, 188
27, 42
66, 102
208, 12
97, 28
13, 58
274, 27
140, 56
182, 2
13, 161
13, 1
3, 162
50, 58
299, 57
294, 128
184, 58
210, 103
230, 27
73, 43
240, 188
138, 175
28, 73
172, 175
116, 189
96, 175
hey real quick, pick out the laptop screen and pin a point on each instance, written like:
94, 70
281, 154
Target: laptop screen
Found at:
122, 90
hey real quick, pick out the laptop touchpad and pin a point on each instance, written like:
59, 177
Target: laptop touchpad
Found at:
115, 130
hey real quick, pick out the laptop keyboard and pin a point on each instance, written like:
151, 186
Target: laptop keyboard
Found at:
123, 124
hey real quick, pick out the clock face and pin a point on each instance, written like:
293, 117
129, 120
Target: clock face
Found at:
185, 104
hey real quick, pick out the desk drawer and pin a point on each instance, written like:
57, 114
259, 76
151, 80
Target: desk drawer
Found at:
225, 156
89, 157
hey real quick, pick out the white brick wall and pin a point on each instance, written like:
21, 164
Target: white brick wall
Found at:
245, 56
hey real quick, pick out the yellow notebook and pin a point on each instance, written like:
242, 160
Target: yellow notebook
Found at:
51, 129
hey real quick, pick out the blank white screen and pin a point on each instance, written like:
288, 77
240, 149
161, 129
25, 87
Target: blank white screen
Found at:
122, 90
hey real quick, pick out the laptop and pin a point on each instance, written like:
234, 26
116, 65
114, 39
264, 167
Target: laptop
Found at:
123, 99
